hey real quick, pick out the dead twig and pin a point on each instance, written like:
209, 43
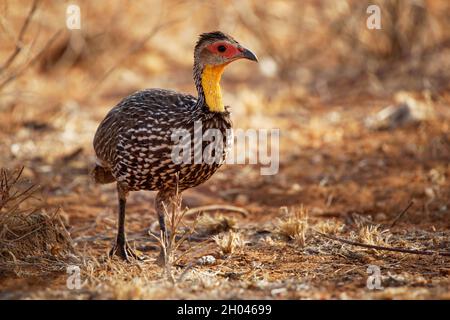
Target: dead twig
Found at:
7, 182
401, 214
31, 62
217, 207
383, 248
19, 44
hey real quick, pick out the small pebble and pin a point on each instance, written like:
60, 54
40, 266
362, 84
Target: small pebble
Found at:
278, 291
206, 260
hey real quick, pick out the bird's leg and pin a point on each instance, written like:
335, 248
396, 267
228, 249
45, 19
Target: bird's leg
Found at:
121, 248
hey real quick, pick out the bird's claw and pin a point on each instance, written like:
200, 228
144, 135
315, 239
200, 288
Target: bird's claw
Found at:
124, 252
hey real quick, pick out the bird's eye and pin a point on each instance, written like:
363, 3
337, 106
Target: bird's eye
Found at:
221, 48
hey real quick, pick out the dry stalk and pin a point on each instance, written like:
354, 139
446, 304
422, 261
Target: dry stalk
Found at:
174, 237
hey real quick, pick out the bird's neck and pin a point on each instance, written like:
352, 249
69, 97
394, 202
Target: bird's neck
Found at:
207, 80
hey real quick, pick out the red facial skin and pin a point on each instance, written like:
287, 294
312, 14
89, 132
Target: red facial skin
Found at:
229, 53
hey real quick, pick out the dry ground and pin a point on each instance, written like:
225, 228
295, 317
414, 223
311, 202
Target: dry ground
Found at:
336, 176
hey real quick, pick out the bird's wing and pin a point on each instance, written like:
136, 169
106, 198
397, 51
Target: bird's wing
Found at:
143, 117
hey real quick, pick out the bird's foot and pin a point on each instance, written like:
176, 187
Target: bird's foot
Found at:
124, 252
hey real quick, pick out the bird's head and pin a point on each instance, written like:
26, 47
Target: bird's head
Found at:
213, 52
217, 48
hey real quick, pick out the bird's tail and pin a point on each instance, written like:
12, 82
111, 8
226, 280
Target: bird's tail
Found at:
102, 175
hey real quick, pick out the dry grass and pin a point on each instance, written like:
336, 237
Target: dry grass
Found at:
374, 235
329, 226
27, 233
229, 242
294, 225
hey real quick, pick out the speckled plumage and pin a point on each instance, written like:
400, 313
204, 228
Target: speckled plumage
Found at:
134, 142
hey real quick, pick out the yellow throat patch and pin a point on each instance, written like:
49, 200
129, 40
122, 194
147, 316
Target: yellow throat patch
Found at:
211, 87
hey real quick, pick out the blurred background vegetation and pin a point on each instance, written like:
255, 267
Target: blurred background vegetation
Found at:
306, 47
57, 84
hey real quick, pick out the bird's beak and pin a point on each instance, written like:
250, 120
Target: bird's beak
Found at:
247, 54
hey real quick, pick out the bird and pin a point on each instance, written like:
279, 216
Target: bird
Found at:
134, 143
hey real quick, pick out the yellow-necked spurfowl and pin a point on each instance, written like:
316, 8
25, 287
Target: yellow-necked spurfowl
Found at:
134, 143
